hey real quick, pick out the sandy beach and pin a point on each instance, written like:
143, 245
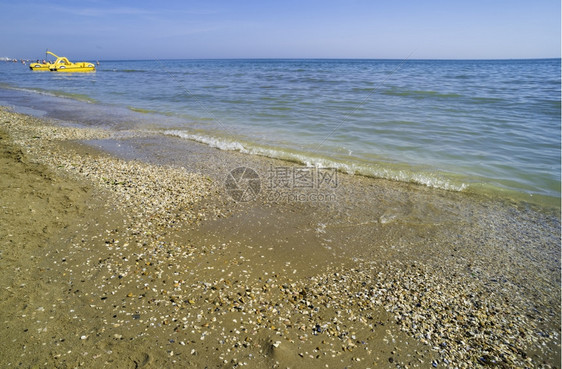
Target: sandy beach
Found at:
129, 250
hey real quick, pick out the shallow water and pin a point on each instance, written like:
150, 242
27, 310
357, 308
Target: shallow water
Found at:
491, 126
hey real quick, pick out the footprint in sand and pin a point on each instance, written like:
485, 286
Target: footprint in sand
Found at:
145, 359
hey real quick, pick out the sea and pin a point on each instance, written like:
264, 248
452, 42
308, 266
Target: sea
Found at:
484, 126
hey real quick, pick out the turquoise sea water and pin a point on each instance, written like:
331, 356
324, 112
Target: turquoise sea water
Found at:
459, 125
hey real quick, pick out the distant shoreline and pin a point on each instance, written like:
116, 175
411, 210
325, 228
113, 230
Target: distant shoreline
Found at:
8, 59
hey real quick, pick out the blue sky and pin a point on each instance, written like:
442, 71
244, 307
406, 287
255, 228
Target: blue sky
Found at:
420, 29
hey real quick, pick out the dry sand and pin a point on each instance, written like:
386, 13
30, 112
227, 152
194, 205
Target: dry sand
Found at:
125, 264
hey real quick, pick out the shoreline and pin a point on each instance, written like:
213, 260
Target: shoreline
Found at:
163, 268
74, 111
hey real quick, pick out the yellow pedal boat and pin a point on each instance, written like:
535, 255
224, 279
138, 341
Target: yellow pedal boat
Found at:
62, 64
40, 66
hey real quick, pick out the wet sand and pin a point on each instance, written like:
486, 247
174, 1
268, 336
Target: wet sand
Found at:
124, 249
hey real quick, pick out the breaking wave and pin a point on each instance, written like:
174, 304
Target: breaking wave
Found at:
376, 170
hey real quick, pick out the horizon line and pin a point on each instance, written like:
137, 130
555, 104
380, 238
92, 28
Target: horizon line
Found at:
6, 58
